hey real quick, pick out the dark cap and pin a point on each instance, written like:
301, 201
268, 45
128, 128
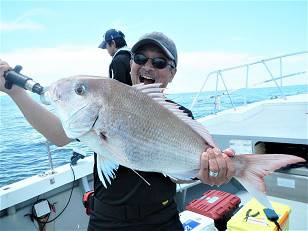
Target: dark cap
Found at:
110, 35
160, 40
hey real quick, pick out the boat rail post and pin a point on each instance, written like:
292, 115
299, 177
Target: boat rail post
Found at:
216, 92
84, 183
280, 70
282, 95
11, 210
246, 84
228, 93
48, 143
197, 96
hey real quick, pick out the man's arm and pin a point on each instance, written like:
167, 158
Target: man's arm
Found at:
38, 116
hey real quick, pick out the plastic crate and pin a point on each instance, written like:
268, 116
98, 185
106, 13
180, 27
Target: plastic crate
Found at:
196, 222
258, 221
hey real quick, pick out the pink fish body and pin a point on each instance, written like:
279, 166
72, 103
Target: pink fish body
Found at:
137, 128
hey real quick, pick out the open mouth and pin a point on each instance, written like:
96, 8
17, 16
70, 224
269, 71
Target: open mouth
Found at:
146, 79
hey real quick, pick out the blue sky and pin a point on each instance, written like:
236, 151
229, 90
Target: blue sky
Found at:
231, 31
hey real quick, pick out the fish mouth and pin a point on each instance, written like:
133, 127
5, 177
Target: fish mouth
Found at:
146, 79
45, 97
50, 96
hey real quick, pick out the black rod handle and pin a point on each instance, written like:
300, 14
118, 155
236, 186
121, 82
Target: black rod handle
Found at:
14, 77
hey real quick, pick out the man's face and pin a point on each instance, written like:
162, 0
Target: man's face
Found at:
147, 73
111, 48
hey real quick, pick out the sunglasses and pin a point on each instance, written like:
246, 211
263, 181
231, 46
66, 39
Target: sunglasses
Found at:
158, 62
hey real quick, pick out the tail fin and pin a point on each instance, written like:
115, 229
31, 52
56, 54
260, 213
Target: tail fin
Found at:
251, 170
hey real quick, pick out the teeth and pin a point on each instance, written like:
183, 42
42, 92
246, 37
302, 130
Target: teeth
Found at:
147, 77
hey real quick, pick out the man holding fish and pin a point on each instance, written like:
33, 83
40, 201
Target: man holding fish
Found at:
170, 143
157, 71
128, 188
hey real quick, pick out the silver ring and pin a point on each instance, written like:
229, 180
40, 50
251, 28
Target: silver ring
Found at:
213, 173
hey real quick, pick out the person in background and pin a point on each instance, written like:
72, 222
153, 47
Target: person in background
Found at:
115, 44
129, 203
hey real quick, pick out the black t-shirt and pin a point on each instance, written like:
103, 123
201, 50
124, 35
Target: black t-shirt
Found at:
119, 68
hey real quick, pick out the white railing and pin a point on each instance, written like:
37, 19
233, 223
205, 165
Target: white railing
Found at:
277, 80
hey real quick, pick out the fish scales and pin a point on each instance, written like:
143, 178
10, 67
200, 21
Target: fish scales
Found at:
157, 129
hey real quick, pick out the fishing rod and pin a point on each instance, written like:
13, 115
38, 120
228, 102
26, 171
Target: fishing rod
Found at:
14, 77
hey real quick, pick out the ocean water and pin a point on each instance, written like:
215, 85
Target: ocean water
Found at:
23, 151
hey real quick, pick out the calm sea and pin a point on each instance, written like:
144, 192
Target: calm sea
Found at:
23, 151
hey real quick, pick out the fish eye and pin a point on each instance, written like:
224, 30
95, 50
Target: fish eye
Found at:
80, 89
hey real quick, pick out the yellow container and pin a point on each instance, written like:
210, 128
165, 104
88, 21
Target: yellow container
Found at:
257, 220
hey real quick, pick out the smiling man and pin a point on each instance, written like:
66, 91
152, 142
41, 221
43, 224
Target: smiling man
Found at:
129, 203
162, 53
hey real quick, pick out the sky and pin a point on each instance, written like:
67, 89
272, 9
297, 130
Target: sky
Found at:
56, 39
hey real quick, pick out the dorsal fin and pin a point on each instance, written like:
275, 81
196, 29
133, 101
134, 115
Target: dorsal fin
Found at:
156, 93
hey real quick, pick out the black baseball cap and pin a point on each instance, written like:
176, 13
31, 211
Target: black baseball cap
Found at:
162, 41
110, 35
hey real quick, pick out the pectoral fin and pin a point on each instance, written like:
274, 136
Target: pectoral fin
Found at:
107, 167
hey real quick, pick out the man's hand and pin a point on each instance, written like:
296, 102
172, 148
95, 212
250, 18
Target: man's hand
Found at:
4, 66
216, 167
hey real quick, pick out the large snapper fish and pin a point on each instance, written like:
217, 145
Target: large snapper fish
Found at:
142, 131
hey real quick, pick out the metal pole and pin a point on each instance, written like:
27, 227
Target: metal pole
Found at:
246, 87
229, 96
49, 156
197, 96
280, 68
277, 85
216, 91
